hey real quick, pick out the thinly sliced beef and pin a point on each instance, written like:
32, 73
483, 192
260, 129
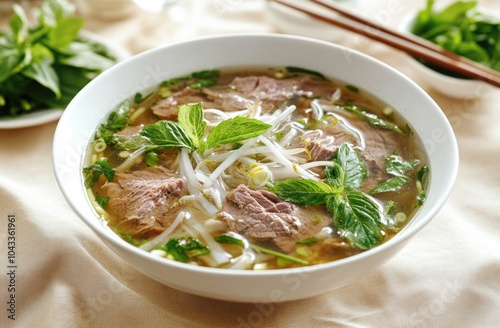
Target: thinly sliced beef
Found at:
144, 203
243, 91
261, 216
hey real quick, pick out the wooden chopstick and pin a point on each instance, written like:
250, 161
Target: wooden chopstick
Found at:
412, 45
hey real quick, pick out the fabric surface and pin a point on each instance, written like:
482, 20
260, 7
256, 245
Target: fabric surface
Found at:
447, 276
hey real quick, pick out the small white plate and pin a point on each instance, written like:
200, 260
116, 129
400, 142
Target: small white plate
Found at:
43, 116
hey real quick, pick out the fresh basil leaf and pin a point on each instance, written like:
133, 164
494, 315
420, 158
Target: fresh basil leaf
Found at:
44, 73
81, 55
93, 172
65, 32
305, 192
373, 119
398, 166
455, 12
19, 24
234, 130
190, 117
390, 185
335, 176
10, 60
353, 168
167, 134
357, 218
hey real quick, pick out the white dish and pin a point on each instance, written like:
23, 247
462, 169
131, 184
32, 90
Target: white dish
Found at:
43, 116
94, 103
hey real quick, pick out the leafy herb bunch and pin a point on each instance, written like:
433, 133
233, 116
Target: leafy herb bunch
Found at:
44, 65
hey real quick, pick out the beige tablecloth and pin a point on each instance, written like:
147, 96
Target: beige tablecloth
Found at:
448, 276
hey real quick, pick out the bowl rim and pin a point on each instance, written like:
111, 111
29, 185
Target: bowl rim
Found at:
401, 237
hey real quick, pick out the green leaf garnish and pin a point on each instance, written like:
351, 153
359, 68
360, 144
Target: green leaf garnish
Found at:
398, 166
355, 214
371, 118
92, 173
190, 117
226, 239
357, 218
234, 130
305, 192
392, 184
280, 255
185, 248
117, 121
167, 134
294, 69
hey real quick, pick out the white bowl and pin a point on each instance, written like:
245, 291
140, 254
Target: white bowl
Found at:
447, 85
92, 105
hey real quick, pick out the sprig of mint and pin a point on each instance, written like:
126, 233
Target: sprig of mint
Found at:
355, 215
189, 132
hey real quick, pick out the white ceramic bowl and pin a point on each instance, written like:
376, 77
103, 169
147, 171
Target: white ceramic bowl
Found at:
92, 105
447, 85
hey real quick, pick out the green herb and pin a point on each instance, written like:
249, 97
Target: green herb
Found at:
174, 81
167, 134
280, 255
308, 241
93, 172
190, 130
234, 130
300, 70
352, 88
422, 178
208, 74
226, 239
185, 248
462, 29
43, 64
138, 98
392, 184
152, 158
305, 192
117, 121
355, 215
102, 201
397, 166
371, 118
190, 117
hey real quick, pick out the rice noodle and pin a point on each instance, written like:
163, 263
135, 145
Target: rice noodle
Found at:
165, 235
194, 186
218, 255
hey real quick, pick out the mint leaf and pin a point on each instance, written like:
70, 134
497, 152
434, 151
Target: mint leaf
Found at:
234, 130
305, 192
190, 117
93, 172
357, 218
167, 134
372, 119
398, 166
390, 185
353, 169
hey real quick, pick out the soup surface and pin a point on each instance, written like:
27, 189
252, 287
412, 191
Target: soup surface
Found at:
255, 169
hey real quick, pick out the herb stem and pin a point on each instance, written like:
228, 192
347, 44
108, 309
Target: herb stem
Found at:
279, 255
